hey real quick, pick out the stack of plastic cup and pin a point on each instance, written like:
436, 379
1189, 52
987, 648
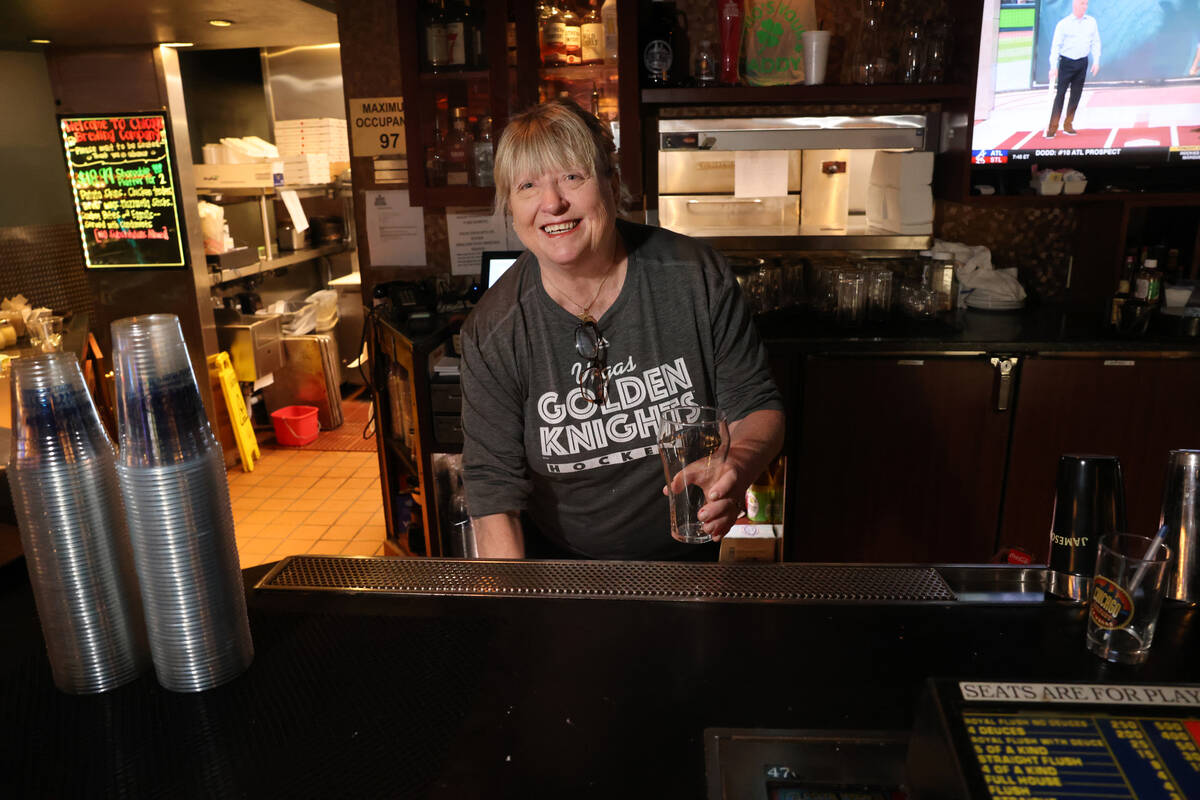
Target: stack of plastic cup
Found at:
172, 476
62, 470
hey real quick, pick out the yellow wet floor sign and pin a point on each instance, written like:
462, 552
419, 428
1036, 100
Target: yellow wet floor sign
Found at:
243, 431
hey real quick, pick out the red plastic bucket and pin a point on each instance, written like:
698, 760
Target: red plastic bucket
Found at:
295, 426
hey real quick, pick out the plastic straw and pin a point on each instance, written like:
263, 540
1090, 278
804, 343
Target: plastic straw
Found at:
1140, 572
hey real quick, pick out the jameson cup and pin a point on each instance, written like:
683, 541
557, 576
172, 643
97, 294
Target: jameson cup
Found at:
1089, 503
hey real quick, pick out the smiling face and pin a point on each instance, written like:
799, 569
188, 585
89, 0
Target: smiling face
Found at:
565, 216
1079, 8
555, 173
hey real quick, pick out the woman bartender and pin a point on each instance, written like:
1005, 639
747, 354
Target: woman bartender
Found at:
568, 358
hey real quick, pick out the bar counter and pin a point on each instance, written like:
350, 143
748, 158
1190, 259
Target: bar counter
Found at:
450, 693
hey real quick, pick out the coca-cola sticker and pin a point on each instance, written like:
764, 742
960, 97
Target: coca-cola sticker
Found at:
1112, 607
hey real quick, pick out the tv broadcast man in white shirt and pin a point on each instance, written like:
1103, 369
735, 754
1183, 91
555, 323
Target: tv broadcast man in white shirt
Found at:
1076, 36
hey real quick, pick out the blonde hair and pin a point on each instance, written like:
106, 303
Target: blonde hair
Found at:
554, 135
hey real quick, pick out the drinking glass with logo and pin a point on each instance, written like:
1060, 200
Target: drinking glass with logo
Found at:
692, 442
1126, 594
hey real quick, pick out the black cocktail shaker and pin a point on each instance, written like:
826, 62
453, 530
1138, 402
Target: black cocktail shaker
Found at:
1089, 503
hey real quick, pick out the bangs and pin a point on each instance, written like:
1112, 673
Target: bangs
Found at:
537, 145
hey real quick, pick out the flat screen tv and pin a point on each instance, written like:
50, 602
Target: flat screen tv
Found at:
1133, 67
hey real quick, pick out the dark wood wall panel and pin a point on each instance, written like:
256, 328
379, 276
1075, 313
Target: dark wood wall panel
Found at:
369, 32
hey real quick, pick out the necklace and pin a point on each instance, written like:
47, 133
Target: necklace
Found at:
585, 314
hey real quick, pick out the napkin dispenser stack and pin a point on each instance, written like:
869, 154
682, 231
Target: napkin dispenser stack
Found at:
899, 196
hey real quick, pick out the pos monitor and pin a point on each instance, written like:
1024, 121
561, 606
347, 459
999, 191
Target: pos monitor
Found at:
494, 264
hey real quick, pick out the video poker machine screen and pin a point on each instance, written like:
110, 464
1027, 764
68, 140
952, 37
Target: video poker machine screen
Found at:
1060, 740
1129, 74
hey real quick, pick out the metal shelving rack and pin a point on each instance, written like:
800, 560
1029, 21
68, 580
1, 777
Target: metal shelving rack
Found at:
262, 194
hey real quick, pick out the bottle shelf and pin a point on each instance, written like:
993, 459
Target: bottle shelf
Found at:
579, 72
453, 76
1087, 198
823, 93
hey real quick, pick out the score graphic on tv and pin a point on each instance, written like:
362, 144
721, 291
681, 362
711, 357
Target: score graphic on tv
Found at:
989, 156
1122, 83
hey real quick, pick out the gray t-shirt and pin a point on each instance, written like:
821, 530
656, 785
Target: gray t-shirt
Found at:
590, 476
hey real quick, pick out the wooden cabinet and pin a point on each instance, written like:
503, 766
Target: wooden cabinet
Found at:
909, 460
1136, 408
897, 460
507, 85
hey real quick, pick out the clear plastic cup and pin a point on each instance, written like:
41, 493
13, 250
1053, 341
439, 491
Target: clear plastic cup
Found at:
160, 415
181, 526
62, 472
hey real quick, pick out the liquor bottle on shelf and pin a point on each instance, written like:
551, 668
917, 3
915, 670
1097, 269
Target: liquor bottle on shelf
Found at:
591, 35
608, 18
572, 53
475, 17
1172, 271
458, 145
553, 34
434, 38
706, 66
511, 36
482, 155
1125, 283
435, 159
1148, 285
1123, 293
595, 108
456, 36
729, 24
664, 46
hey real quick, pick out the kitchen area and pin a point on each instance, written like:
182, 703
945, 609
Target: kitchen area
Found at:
963, 319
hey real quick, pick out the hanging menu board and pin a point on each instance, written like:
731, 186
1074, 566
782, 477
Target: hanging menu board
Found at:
126, 196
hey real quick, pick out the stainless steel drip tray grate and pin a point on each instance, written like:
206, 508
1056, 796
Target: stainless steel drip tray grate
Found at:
634, 580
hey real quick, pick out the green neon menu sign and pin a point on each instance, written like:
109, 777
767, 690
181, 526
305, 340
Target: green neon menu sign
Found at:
126, 196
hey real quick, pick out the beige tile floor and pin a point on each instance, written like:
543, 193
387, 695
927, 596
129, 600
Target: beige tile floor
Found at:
302, 501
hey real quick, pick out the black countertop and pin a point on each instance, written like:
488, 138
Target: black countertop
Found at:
462, 697
1048, 329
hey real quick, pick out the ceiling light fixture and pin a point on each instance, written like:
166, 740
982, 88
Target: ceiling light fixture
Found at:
220, 23
176, 44
39, 41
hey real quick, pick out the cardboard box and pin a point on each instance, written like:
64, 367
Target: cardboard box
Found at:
754, 542
266, 174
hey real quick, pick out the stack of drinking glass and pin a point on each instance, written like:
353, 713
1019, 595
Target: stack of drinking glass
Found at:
64, 486
172, 475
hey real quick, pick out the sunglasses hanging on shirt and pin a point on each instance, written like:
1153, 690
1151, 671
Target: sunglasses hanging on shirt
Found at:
589, 344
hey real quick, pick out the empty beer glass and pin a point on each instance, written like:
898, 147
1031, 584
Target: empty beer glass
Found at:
692, 442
